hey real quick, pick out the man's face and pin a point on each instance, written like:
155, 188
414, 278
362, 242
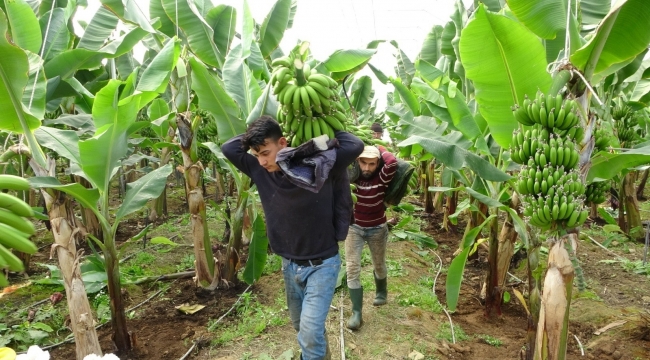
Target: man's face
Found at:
266, 153
377, 135
368, 167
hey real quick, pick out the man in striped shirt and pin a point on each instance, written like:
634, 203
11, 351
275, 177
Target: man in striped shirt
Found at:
378, 167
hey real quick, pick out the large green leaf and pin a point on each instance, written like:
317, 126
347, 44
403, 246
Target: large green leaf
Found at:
213, 98
222, 19
362, 94
456, 157
379, 74
25, 29
98, 30
593, 11
257, 252
156, 75
621, 36
410, 99
605, 165
14, 70
543, 17
239, 81
457, 266
130, 11
461, 115
505, 61
248, 28
199, 33
58, 35
86, 197
142, 190
156, 10
347, 60
68, 62
405, 68
423, 126
273, 27
64, 142
431, 51
34, 96
266, 105
101, 154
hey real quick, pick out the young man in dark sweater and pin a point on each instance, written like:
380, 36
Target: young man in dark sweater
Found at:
300, 225
378, 168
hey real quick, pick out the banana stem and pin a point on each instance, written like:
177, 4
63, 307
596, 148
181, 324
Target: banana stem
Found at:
559, 80
300, 74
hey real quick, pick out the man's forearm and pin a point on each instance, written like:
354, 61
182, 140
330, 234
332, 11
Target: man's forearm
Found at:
350, 147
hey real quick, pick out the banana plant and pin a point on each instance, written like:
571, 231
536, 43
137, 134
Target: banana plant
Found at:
490, 41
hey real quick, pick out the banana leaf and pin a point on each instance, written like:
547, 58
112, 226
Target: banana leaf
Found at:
25, 28
505, 62
273, 27
257, 252
14, 70
101, 26
621, 36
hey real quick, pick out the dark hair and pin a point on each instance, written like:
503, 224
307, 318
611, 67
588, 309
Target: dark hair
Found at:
259, 131
376, 127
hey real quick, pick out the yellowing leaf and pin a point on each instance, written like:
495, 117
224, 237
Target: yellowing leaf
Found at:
190, 309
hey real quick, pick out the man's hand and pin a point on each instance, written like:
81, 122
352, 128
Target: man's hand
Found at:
321, 142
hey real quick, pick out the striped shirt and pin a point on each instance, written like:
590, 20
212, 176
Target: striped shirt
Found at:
369, 210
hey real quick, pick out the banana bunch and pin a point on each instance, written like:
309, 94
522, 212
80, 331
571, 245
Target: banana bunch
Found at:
539, 181
354, 196
15, 230
538, 147
560, 204
362, 131
602, 140
547, 111
596, 191
310, 105
625, 131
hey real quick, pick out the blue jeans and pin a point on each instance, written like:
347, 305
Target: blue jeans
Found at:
310, 290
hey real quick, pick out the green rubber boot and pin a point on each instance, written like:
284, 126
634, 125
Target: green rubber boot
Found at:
355, 321
381, 293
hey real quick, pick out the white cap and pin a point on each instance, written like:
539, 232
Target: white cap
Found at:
370, 152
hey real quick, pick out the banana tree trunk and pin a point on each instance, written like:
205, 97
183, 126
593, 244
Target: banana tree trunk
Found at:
507, 239
429, 178
593, 211
493, 291
236, 232
159, 208
88, 218
193, 171
63, 228
641, 188
121, 335
632, 212
534, 291
553, 325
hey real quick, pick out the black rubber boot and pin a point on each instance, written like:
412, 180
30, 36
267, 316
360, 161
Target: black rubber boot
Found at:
381, 293
355, 321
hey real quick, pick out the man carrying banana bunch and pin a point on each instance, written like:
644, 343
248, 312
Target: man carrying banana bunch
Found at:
377, 168
303, 225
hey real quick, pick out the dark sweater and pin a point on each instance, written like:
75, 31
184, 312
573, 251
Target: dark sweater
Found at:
300, 224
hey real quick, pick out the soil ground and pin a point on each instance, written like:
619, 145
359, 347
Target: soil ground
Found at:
412, 322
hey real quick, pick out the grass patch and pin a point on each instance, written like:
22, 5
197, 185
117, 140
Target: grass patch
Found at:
420, 295
490, 340
444, 333
254, 319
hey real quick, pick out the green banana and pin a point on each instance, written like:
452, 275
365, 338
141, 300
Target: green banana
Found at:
15, 239
15, 205
11, 182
